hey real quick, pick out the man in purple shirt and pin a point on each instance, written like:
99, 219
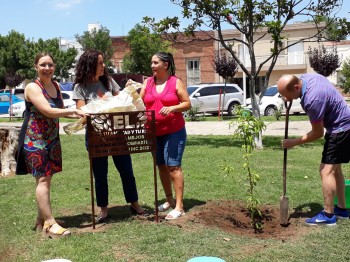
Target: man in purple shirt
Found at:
328, 110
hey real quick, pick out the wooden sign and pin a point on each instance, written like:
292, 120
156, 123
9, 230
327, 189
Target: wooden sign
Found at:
121, 133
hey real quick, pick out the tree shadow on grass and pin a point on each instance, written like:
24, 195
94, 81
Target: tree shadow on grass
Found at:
269, 142
188, 202
214, 141
274, 142
119, 213
191, 203
116, 213
306, 210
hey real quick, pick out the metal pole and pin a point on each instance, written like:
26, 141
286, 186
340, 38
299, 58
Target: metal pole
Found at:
155, 185
92, 195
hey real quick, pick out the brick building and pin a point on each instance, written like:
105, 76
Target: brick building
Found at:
193, 60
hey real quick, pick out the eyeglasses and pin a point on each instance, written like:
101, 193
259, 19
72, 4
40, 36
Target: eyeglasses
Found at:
45, 65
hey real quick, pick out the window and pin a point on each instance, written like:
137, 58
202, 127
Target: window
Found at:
230, 89
119, 67
211, 90
205, 91
193, 72
295, 53
4, 98
271, 91
65, 96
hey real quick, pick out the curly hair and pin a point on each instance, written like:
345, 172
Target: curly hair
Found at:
85, 70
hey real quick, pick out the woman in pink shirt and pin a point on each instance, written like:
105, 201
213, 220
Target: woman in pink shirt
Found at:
167, 96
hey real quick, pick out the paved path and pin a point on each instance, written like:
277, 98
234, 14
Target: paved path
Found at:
275, 128
223, 128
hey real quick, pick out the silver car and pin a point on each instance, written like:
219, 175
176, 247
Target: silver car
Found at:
206, 97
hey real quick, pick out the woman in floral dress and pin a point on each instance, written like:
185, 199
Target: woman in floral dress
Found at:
39, 147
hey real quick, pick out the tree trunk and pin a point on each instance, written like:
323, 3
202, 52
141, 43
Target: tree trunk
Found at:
8, 145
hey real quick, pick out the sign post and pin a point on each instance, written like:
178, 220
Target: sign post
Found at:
120, 134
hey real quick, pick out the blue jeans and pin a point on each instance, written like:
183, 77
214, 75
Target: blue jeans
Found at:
100, 170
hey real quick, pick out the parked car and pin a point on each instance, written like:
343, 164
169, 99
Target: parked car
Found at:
5, 102
15, 91
272, 101
19, 108
206, 97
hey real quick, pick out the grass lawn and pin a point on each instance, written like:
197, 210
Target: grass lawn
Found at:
128, 239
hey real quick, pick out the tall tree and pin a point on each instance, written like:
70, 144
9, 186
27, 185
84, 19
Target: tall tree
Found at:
345, 78
254, 19
337, 30
64, 59
17, 57
11, 47
143, 44
98, 40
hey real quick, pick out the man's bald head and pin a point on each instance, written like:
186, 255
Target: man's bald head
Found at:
287, 82
289, 86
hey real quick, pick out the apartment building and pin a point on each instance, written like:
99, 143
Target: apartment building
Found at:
194, 59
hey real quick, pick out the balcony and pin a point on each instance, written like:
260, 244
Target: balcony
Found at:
292, 61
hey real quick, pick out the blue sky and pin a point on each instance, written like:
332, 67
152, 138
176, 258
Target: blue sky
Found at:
65, 18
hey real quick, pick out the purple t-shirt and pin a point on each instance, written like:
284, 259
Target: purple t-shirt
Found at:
323, 102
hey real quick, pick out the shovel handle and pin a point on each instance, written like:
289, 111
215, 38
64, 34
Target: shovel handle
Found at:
288, 106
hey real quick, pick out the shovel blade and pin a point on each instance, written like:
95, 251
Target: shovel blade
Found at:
284, 216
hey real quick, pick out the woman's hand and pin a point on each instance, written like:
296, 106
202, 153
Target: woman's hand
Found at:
77, 113
166, 110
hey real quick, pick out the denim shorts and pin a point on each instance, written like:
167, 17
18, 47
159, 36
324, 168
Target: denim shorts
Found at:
170, 148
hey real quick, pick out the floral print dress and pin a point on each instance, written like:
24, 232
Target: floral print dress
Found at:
42, 147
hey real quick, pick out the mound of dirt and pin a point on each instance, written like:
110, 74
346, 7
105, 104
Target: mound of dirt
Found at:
232, 217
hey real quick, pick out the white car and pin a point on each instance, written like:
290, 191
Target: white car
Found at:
207, 97
272, 101
19, 108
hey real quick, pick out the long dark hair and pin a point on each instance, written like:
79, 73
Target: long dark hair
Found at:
85, 70
167, 57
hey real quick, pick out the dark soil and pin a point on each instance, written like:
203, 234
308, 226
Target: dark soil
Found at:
232, 217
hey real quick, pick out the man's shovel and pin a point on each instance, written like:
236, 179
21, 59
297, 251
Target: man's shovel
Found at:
284, 217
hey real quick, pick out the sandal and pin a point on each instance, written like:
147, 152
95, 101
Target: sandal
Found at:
174, 214
164, 207
40, 224
100, 219
54, 231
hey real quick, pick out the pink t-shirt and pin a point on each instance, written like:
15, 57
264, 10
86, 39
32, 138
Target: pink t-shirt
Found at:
156, 101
